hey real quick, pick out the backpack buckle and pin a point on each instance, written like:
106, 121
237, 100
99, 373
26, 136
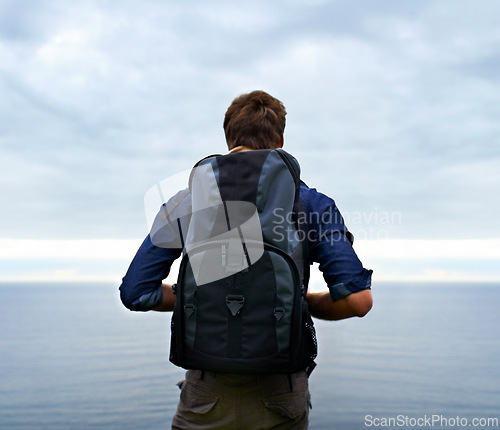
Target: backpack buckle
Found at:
189, 309
234, 303
279, 313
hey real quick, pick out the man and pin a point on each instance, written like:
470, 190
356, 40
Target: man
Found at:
216, 400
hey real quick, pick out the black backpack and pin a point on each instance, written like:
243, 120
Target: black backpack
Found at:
240, 294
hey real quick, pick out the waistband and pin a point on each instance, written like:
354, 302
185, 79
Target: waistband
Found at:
232, 379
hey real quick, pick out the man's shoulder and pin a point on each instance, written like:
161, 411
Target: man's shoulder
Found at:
312, 199
179, 204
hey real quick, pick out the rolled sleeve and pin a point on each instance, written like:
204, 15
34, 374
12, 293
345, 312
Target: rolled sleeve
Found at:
364, 282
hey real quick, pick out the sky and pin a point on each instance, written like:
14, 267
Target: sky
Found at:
393, 111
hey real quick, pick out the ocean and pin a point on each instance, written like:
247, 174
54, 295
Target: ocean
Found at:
72, 357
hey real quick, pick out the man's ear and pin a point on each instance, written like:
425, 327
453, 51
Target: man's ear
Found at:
282, 142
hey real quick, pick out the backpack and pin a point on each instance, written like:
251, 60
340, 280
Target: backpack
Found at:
240, 293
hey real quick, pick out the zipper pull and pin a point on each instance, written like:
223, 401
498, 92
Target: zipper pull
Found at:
223, 254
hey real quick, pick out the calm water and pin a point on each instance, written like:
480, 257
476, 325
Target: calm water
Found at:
73, 358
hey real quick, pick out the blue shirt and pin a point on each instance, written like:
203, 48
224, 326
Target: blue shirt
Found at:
329, 244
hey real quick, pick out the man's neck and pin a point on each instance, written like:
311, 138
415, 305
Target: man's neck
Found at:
240, 148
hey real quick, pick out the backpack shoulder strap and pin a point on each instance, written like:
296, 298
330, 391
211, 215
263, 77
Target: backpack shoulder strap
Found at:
190, 181
292, 165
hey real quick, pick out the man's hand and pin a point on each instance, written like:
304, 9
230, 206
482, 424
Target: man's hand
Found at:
168, 301
323, 307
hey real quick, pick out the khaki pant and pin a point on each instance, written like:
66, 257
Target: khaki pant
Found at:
233, 402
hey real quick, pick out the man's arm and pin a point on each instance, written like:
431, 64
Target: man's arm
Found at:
330, 245
141, 288
323, 307
168, 301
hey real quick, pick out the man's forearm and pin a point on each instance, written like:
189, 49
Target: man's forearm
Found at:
320, 304
323, 307
168, 301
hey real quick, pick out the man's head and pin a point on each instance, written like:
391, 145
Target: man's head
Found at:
255, 120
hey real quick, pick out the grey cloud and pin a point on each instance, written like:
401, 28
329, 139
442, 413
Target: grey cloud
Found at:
390, 105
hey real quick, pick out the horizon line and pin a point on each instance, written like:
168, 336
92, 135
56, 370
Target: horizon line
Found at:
393, 260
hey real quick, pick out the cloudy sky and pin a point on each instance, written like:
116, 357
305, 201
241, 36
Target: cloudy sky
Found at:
393, 110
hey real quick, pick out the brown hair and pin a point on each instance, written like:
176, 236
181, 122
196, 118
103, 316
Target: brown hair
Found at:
255, 120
